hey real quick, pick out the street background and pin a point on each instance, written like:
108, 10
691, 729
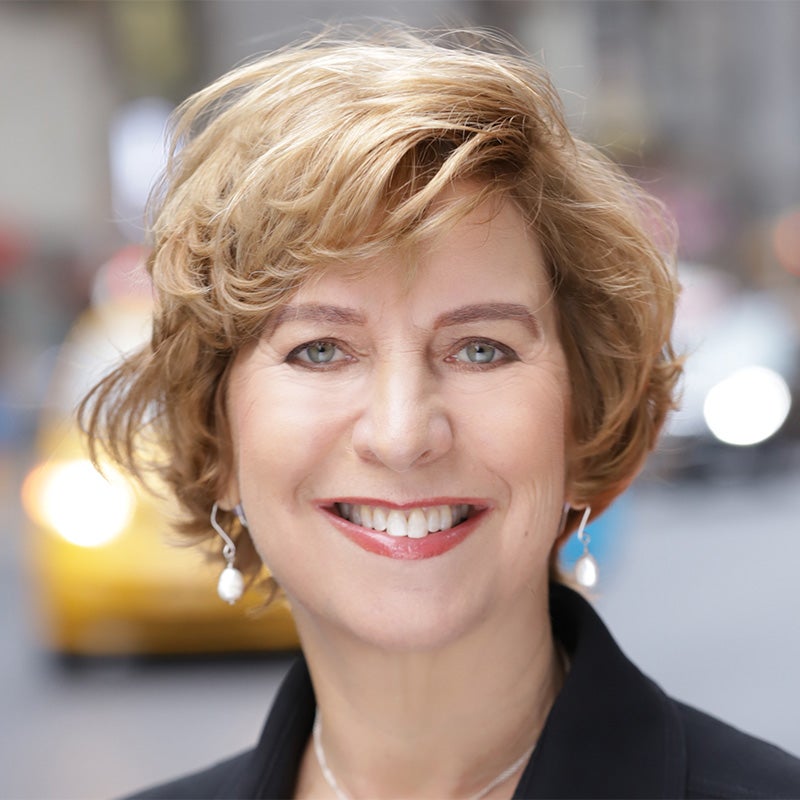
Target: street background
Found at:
699, 589
700, 572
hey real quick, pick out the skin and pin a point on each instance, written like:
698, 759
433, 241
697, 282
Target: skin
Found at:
431, 675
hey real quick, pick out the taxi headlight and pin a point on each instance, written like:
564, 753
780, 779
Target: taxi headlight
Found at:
83, 506
748, 406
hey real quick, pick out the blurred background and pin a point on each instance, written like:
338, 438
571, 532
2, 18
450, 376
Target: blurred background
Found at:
118, 668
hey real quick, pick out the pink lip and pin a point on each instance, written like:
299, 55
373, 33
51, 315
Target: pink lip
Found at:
402, 547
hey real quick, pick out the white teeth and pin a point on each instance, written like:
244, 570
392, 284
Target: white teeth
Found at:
366, 516
415, 523
396, 524
378, 519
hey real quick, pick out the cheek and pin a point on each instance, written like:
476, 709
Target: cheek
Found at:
284, 429
519, 427
272, 438
520, 439
274, 452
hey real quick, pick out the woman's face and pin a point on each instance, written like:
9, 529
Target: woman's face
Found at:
374, 411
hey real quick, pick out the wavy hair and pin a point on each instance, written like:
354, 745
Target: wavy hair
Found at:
335, 150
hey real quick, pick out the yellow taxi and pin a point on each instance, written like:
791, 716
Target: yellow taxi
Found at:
108, 575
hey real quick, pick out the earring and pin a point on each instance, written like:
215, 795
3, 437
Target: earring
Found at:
231, 582
586, 570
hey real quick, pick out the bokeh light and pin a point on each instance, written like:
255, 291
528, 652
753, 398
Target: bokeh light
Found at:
76, 501
748, 407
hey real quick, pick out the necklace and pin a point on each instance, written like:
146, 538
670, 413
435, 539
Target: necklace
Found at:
330, 778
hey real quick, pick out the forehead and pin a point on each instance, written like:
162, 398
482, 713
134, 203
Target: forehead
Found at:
487, 254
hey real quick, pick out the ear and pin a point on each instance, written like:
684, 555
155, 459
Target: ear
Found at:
574, 503
573, 470
227, 481
230, 497
572, 493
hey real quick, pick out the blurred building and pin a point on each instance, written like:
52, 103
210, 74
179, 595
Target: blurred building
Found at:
705, 88
696, 99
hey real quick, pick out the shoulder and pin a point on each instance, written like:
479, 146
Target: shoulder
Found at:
212, 782
634, 740
270, 769
724, 762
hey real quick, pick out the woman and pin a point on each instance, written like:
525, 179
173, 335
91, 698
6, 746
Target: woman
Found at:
409, 334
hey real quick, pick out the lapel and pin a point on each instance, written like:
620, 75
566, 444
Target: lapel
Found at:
272, 769
612, 733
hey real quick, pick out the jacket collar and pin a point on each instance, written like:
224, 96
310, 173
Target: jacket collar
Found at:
272, 770
611, 732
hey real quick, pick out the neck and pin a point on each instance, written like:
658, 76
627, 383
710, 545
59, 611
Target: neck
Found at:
440, 723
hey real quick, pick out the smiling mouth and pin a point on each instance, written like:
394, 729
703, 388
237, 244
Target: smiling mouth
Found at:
413, 523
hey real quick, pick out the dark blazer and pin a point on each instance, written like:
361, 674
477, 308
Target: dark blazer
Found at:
612, 733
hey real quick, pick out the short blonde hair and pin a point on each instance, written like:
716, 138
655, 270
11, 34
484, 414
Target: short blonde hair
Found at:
334, 150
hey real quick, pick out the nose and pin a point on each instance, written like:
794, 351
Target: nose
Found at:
403, 423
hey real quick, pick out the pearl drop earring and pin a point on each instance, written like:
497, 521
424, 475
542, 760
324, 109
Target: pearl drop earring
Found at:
586, 569
230, 586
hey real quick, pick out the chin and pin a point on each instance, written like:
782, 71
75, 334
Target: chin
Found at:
414, 636
401, 622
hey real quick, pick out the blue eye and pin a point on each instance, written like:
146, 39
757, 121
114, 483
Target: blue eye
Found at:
479, 353
322, 352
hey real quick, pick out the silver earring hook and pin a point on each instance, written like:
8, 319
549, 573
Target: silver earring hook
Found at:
229, 548
583, 537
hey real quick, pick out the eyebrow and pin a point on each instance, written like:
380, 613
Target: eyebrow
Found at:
340, 315
479, 312
314, 312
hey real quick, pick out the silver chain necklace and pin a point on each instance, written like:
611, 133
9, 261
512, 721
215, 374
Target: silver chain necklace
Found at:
342, 795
